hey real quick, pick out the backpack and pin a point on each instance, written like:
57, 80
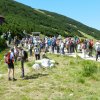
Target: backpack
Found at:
98, 49
90, 44
36, 51
41, 45
7, 58
53, 42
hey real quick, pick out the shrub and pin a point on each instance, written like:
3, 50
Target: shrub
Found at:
81, 80
89, 68
2, 44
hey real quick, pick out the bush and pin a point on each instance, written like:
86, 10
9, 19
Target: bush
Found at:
89, 68
2, 44
81, 80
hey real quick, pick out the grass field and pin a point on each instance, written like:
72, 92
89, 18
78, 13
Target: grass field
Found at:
70, 79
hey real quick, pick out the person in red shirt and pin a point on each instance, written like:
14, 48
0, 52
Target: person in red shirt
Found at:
91, 47
9, 60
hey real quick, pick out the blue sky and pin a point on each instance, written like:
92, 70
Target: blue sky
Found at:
85, 11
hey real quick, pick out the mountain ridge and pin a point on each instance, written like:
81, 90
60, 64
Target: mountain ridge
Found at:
22, 17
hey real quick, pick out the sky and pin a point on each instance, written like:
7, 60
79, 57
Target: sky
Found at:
84, 11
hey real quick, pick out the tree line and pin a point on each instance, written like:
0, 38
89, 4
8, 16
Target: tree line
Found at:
19, 17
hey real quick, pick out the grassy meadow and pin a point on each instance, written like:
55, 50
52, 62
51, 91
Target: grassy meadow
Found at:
70, 79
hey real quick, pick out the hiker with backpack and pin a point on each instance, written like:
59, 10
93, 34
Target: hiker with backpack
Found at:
23, 56
84, 48
37, 52
69, 43
9, 60
46, 44
16, 41
62, 47
53, 44
97, 48
58, 45
16, 53
30, 47
90, 47
9, 37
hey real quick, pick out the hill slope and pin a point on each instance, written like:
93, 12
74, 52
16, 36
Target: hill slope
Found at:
65, 81
20, 17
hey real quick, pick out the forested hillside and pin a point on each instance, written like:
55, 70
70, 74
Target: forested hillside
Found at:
19, 17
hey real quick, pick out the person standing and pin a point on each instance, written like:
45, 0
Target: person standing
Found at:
9, 59
53, 44
90, 48
37, 52
97, 48
62, 48
84, 48
22, 59
9, 37
57, 44
16, 52
30, 47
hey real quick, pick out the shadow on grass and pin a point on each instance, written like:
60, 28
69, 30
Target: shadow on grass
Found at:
35, 76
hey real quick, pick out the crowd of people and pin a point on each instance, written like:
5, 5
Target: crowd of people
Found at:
56, 44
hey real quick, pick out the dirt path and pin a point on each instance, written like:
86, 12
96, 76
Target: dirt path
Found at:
80, 55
